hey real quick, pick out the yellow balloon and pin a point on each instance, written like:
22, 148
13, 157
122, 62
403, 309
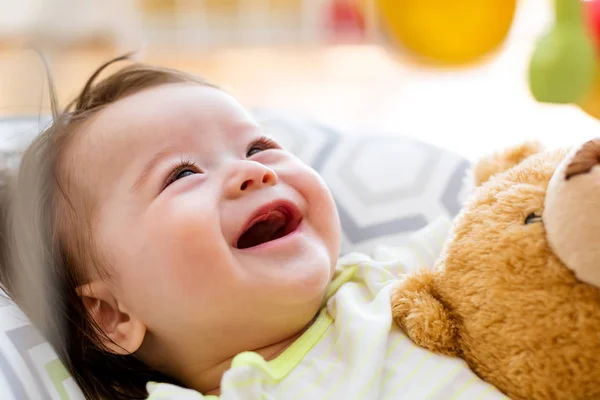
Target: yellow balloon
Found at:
447, 31
591, 102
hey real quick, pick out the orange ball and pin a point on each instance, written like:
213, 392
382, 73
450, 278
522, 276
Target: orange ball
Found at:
447, 31
591, 102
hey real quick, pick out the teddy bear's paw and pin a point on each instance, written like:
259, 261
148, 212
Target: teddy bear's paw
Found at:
427, 324
423, 317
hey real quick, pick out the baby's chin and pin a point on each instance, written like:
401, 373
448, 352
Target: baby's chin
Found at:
303, 280
307, 287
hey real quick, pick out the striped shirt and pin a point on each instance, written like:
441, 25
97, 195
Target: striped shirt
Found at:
353, 350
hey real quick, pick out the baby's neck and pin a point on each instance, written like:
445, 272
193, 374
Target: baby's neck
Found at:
215, 374
206, 377
208, 382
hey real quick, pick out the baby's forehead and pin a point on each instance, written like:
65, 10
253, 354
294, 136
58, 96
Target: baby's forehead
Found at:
170, 111
139, 125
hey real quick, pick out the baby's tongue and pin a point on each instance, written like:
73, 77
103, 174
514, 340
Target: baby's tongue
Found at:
262, 231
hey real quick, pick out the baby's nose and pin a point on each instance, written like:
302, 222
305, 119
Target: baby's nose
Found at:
584, 160
267, 178
249, 175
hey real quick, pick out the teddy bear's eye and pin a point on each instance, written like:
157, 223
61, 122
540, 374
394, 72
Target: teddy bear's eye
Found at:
532, 218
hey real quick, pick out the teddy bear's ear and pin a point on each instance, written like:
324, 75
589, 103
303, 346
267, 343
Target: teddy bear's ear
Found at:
502, 161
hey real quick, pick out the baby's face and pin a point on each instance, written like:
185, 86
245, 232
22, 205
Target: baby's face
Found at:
210, 230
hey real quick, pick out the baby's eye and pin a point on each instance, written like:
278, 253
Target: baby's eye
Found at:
184, 173
262, 144
182, 170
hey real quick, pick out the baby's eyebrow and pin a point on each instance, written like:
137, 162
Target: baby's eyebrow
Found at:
148, 168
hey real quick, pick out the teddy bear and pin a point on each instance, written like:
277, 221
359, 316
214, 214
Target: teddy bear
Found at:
516, 290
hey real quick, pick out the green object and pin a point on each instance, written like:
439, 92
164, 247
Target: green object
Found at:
563, 64
58, 373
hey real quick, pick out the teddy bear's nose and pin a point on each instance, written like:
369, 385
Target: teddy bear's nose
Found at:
585, 159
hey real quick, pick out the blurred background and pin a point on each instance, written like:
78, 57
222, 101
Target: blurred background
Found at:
334, 60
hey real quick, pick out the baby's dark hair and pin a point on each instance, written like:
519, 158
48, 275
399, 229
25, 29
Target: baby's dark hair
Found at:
46, 244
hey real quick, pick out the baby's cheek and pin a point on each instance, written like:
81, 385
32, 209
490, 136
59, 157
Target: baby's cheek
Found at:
186, 247
322, 205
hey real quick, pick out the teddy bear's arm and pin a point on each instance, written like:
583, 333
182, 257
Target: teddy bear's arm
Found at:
422, 316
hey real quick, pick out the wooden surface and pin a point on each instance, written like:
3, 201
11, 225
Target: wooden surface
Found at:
362, 89
339, 79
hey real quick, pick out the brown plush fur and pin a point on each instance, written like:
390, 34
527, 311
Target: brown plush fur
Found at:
500, 298
504, 160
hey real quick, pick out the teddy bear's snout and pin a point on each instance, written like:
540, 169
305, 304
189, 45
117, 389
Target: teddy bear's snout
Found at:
586, 158
571, 212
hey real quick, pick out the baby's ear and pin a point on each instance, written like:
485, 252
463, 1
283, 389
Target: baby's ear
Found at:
503, 161
123, 331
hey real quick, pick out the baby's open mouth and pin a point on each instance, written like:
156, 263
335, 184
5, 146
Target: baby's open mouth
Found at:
270, 223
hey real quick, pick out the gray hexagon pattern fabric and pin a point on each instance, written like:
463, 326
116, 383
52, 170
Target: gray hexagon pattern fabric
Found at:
385, 188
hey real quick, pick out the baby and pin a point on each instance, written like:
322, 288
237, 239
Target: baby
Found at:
189, 256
